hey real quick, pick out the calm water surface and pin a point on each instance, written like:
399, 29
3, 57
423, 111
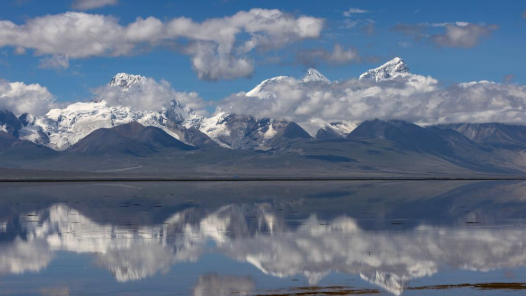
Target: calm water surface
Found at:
263, 238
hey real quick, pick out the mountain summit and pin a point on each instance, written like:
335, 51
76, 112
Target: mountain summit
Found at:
126, 81
315, 75
394, 68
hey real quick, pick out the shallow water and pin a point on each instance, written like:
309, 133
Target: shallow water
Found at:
263, 238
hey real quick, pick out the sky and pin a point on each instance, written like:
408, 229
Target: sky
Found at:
367, 33
467, 58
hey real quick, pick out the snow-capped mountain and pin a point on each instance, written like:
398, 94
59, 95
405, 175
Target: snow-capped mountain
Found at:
264, 90
394, 68
261, 90
316, 128
59, 129
315, 75
323, 130
245, 132
62, 128
126, 81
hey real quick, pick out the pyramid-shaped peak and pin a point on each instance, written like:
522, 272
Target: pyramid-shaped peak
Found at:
315, 75
394, 68
396, 60
125, 81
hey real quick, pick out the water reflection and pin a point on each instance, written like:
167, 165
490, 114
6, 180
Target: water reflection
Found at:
283, 238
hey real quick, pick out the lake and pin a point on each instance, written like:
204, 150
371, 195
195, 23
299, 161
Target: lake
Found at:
263, 238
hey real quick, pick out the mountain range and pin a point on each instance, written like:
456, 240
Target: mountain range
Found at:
99, 136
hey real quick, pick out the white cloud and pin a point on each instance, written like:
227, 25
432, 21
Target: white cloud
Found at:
20, 98
352, 11
217, 50
212, 66
20, 256
92, 4
413, 98
138, 261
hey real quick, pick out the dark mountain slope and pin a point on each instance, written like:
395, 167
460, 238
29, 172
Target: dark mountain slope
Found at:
444, 143
14, 150
131, 139
9, 123
492, 134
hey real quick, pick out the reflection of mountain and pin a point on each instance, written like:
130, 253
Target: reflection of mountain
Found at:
259, 235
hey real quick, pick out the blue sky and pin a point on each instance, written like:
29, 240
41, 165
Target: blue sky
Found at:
496, 53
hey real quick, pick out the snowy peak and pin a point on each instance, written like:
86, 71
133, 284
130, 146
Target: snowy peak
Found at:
315, 75
264, 89
126, 81
259, 90
394, 68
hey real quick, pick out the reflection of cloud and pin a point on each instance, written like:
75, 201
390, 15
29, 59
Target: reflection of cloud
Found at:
387, 259
137, 262
129, 253
217, 285
256, 235
23, 256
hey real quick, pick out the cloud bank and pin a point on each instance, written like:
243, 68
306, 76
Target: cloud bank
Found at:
413, 98
215, 45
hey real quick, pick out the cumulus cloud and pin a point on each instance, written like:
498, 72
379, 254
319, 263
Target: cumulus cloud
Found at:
92, 4
413, 98
211, 66
338, 56
458, 34
352, 11
20, 98
148, 94
219, 47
